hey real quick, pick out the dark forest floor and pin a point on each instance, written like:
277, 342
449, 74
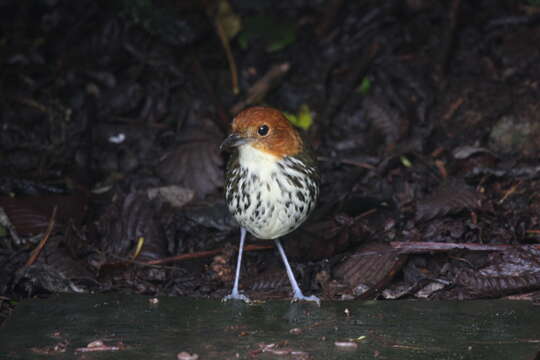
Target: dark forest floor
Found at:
424, 115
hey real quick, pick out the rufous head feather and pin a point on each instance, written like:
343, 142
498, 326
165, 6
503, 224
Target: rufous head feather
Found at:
266, 129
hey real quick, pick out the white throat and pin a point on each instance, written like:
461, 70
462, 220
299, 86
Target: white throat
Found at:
257, 161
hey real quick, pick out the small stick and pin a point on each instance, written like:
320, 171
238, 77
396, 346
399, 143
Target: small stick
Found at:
442, 169
35, 253
453, 108
509, 192
262, 86
449, 38
201, 254
330, 13
347, 162
359, 70
230, 58
223, 118
417, 247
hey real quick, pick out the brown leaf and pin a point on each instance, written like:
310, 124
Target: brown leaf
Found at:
196, 162
385, 118
488, 286
513, 271
450, 197
31, 215
370, 268
126, 221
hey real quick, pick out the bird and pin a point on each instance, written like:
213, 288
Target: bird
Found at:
271, 183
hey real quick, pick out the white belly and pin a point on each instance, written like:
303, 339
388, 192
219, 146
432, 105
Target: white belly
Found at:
270, 200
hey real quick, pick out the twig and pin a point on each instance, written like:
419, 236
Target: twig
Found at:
201, 254
528, 172
365, 213
442, 169
213, 14
417, 247
358, 72
34, 104
224, 121
347, 162
453, 108
510, 192
331, 10
230, 58
262, 86
449, 36
35, 253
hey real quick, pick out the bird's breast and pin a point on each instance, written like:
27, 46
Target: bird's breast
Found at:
271, 198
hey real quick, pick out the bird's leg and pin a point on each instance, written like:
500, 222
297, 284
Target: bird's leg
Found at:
235, 294
298, 295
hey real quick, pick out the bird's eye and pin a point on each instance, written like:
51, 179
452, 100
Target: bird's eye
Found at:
263, 130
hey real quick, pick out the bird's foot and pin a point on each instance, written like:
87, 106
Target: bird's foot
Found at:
301, 297
236, 296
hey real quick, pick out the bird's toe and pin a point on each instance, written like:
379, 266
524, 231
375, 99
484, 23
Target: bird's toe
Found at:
301, 297
237, 296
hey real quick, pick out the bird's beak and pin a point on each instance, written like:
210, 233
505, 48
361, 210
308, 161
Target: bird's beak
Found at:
233, 140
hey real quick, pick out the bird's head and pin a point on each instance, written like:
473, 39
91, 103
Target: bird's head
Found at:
266, 130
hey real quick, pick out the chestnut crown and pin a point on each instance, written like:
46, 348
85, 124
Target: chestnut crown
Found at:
265, 129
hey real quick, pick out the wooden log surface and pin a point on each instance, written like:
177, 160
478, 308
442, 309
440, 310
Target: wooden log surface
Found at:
117, 327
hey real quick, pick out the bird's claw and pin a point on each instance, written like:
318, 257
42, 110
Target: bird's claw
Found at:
236, 296
301, 297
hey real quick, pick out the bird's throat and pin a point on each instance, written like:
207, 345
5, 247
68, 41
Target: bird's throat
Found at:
256, 160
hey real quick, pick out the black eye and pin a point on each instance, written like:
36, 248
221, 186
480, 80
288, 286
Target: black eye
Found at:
263, 130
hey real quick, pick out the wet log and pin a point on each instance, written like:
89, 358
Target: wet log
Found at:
117, 327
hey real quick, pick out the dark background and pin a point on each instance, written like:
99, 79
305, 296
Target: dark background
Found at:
424, 115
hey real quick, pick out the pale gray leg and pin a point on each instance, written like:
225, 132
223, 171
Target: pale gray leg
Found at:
235, 294
298, 295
